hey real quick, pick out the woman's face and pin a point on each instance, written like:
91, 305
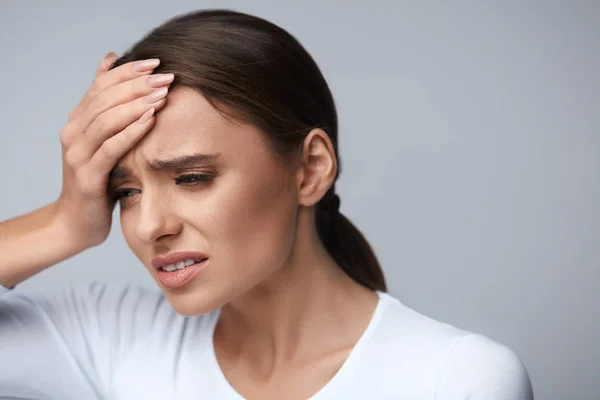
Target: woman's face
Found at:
237, 205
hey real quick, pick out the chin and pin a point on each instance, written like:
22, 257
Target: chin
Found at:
192, 303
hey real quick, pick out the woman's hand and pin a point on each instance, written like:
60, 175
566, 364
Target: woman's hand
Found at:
116, 112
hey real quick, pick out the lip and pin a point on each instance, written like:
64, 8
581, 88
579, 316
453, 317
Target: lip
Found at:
172, 258
180, 277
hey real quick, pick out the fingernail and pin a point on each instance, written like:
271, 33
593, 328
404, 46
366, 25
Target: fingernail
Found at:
157, 95
159, 80
145, 65
110, 59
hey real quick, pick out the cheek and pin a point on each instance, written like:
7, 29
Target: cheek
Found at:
253, 225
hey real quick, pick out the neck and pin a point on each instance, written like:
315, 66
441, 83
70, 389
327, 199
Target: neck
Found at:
307, 305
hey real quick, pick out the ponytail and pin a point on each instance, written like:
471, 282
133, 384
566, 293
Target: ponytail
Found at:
347, 245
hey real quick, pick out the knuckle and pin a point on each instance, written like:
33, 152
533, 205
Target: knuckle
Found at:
65, 135
72, 158
65, 141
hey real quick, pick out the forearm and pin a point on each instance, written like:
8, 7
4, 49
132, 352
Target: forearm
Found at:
31, 243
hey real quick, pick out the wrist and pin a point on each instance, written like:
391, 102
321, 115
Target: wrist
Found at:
33, 243
71, 242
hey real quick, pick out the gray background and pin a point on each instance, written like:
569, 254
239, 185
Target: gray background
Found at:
469, 138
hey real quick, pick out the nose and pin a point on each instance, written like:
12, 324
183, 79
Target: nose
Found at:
156, 218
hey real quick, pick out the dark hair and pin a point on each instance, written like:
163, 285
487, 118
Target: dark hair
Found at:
249, 68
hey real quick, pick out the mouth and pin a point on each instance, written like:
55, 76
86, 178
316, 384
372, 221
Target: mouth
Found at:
178, 275
177, 269
181, 265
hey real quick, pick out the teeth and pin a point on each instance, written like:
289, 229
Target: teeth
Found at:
187, 263
179, 265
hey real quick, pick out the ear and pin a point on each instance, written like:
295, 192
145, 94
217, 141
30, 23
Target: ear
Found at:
317, 169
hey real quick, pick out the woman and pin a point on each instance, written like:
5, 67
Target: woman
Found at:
227, 196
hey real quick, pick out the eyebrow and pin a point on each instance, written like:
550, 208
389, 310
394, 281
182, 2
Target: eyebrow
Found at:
172, 164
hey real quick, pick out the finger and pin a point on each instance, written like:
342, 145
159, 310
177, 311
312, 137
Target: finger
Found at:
110, 122
113, 96
104, 65
113, 77
117, 75
123, 93
113, 149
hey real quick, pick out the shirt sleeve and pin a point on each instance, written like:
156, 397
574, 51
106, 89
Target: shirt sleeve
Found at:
68, 345
478, 368
3, 290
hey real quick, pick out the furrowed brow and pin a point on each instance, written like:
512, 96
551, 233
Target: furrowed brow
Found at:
182, 162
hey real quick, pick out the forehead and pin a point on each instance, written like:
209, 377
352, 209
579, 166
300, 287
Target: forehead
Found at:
190, 124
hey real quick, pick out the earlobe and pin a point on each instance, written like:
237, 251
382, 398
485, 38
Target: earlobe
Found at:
318, 167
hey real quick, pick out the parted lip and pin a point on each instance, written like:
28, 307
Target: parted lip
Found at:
172, 258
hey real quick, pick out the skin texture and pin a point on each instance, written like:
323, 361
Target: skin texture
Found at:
289, 316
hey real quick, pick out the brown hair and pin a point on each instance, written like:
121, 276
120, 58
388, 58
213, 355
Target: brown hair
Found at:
250, 69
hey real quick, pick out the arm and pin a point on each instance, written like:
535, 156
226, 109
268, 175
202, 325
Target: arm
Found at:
30, 243
70, 345
110, 119
67, 346
478, 368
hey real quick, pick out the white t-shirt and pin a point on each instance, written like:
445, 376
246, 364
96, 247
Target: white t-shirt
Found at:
119, 342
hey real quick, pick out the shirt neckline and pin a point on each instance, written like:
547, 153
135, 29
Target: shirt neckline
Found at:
325, 391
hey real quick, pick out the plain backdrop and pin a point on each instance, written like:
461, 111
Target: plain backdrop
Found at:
469, 137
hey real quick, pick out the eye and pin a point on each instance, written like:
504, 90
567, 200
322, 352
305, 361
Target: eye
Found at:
120, 194
192, 179
185, 180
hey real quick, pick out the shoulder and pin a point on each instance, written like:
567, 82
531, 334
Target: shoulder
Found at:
106, 319
461, 363
81, 293
103, 309
124, 307
410, 330
482, 368
82, 303
94, 299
